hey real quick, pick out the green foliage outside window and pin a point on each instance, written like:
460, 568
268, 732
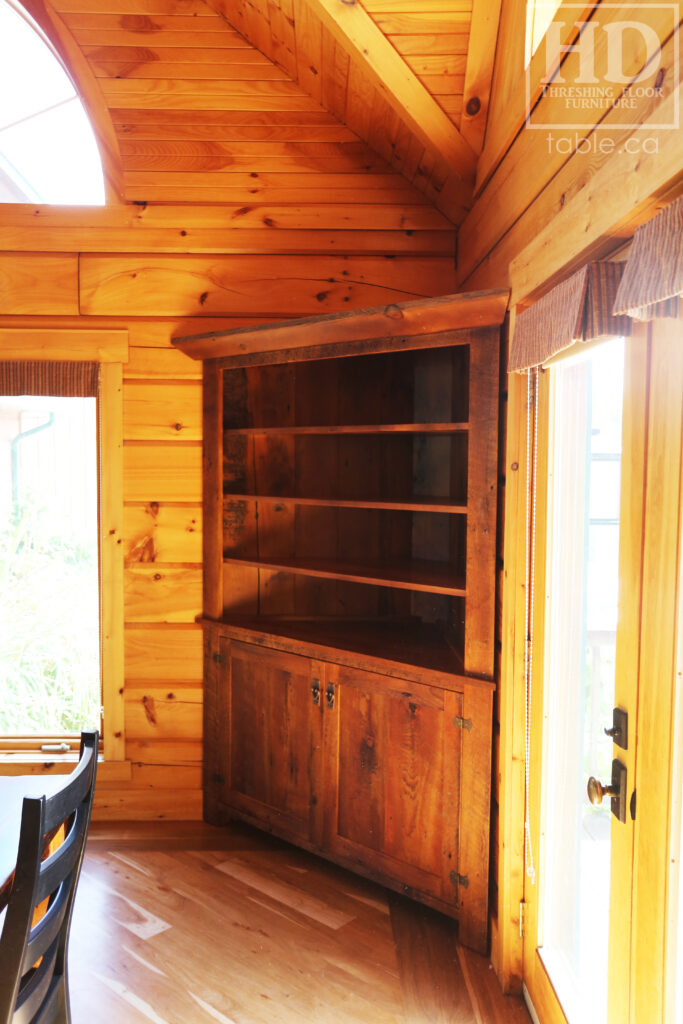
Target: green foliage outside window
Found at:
49, 628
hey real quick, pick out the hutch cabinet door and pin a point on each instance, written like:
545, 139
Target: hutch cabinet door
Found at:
273, 736
392, 747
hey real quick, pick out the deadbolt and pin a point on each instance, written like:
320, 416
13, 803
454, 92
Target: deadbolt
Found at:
619, 730
616, 790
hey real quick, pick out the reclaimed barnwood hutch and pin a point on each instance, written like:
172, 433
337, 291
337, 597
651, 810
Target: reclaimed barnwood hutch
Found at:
350, 501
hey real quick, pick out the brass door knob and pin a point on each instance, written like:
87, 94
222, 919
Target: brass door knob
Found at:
617, 790
597, 792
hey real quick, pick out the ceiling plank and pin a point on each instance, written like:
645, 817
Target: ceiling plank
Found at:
479, 71
357, 33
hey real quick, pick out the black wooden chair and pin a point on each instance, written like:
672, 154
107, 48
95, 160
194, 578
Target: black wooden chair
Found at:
33, 957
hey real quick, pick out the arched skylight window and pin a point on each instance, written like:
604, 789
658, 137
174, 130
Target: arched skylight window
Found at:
48, 152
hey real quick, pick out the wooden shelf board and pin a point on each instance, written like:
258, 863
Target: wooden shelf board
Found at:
414, 504
428, 577
378, 428
406, 648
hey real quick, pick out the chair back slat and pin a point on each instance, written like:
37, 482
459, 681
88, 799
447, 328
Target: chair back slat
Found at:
33, 993
59, 864
44, 932
64, 801
35, 990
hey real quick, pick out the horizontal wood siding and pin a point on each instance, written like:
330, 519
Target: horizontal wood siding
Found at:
244, 199
162, 523
516, 209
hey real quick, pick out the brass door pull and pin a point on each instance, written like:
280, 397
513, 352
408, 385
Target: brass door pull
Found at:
315, 690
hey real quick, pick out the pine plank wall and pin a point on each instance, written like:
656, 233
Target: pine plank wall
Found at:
244, 200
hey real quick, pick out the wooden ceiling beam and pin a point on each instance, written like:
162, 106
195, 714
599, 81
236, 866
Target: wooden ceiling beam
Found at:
479, 71
356, 32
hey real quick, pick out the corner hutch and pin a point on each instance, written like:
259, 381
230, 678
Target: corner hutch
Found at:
350, 496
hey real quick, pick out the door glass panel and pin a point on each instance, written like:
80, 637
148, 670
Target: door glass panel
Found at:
583, 590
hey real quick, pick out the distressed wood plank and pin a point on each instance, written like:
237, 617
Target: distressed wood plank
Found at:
163, 653
195, 285
161, 593
157, 474
448, 313
154, 532
36, 283
162, 412
103, 346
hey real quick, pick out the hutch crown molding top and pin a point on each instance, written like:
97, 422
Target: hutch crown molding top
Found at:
350, 503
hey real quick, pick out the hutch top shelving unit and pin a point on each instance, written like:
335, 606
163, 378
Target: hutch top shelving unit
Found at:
350, 479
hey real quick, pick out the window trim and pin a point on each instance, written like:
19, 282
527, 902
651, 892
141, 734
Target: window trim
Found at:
110, 443
110, 349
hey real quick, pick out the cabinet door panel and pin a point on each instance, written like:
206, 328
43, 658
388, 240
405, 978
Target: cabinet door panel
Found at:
274, 738
398, 779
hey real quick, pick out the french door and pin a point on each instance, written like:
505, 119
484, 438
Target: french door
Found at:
602, 733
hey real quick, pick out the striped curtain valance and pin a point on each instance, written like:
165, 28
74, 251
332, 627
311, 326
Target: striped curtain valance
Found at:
653, 279
62, 379
577, 310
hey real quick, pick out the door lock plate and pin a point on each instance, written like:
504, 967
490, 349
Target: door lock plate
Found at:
619, 790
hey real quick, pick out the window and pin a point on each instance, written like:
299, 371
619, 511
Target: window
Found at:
49, 579
110, 349
48, 152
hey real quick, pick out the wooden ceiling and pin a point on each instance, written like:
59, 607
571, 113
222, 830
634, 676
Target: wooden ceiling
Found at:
296, 101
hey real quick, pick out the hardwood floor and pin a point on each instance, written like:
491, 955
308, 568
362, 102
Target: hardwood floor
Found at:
181, 923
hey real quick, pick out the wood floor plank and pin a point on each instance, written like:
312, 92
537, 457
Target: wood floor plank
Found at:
183, 923
434, 990
490, 1005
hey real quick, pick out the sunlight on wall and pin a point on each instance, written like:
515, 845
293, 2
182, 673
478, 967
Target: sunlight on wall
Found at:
48, 152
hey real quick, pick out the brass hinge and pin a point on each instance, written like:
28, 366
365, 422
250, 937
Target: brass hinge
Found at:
462, 723
522, 918
457, 879
218, 658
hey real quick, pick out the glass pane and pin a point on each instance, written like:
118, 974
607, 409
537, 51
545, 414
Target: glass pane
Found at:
31, 78
48, 151
49, 587
36, 150
584, 564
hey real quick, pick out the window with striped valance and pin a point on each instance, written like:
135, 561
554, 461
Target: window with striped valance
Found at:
652, 284
576, 311
63, 379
